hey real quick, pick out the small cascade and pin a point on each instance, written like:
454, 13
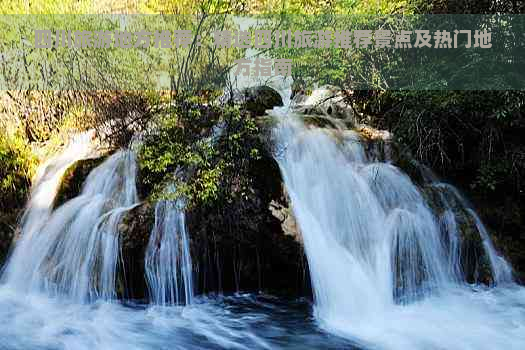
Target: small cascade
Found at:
73, 251
48, 178
168, 265
168, 262
500, 269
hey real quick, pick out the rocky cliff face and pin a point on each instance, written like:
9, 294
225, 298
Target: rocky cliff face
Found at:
241, 246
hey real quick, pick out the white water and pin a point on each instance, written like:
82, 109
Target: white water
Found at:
382, 271
500, 268
47, 182
386, 271
59, 285
168, 261
73, 250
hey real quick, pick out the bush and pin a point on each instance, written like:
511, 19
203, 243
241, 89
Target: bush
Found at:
205, 151
16, 168
473, 136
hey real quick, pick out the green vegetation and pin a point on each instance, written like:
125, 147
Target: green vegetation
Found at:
17, 166
204, 151
474, 138
469, 135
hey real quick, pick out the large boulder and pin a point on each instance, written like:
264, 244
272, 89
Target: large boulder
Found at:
250, 244
257, 100
73, 179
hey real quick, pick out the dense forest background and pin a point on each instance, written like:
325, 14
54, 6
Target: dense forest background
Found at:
473, 138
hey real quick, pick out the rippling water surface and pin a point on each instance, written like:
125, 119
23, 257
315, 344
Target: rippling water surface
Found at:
221, 322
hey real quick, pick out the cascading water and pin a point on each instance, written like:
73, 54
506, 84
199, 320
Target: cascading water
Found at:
168, 261
500, 268
59, 284
386, 270
73, 251
168, 266
47, 181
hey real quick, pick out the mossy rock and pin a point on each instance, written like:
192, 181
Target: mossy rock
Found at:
73, 179
136, 225
261, 98
404, 160
319, 121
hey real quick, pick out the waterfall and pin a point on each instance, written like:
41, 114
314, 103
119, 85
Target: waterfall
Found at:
500, 268
73, 251
168, 262
168, 266
381, 260
43, 191
47, 181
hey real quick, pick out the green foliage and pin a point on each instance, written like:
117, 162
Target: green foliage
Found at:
488, 177
470, 135
16, 169
205, 151
388, 68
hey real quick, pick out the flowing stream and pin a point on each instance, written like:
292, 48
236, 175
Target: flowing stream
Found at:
388, 262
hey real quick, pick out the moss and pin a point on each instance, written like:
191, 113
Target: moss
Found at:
73, 179
17, 164
236, 243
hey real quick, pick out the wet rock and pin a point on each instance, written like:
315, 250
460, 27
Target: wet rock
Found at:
8, 230
250, 244
378, 143
321, 121
505, 220
474, 260
136, 225
282, 210
404, 160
